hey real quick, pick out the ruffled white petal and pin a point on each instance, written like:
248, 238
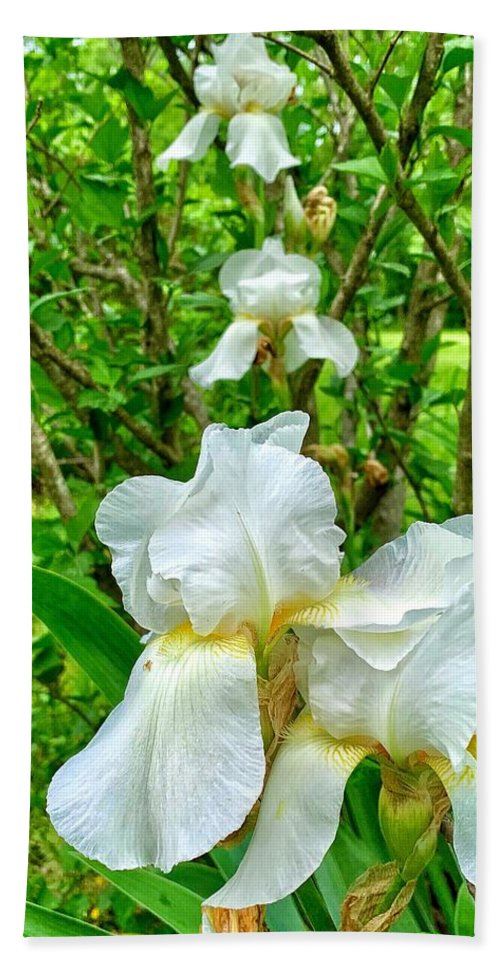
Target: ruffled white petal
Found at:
176, 766
216, 90
232, 356
385, 606
260, 537
125, 521
437, 683
293, 277
261, 80
298, 818
287, 430
460, 784
426, 703
193, 141
463, 526
269, 91
322, 338
259, 141
346, 695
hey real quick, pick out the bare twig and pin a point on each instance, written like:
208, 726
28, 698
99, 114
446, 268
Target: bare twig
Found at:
177, 70
325, 68
53, 157
36, 116
411, 120
383, 63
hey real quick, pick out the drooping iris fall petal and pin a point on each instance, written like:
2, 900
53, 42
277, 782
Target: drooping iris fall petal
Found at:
176, 766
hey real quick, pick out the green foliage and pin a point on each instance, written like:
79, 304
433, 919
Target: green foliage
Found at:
90, 285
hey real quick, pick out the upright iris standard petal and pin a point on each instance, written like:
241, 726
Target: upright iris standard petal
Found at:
298, 817
322, 338
216, 90
177, 765
232, 356
426, 703
259, 141
130, 514
384, 607
193, 141
260, 537
252, 265
126, 519
460, 785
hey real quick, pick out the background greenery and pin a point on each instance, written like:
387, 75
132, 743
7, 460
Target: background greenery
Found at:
124, 297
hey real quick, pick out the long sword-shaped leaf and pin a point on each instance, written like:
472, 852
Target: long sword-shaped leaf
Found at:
101, 642
176, 905
40, 922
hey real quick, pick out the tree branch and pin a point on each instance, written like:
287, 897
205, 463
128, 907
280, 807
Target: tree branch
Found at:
52, 477
383, 63
405, 198
81, 375
156, 321
177, 70
112, 273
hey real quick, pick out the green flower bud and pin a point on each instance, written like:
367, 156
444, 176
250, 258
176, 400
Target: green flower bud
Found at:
293, 216
407, 817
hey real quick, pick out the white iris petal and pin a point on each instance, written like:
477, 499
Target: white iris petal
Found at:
176, 766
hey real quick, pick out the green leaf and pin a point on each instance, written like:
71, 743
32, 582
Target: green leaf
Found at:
40, 922
465, 910
110, 141
150, 372
369, 167
96, 202
314, 907
202, 300
457, 52
397, 87
139, 96
77, 527
95, 400
390, 161
395, 267
462, 135
51, 297
173, 903
98, 640
209, 262
429, 347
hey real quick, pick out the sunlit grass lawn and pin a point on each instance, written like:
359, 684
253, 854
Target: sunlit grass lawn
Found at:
437, 425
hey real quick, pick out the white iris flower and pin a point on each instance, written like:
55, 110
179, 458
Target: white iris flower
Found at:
218, 569
209, 566
274, 295
247, 88
418, 716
